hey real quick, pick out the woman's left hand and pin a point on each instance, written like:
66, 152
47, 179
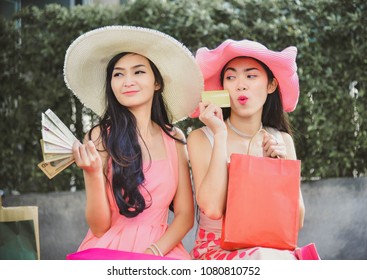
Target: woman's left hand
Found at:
273, 148
87, 157
149, 251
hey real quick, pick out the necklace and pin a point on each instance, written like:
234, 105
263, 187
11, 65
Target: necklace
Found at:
239, 133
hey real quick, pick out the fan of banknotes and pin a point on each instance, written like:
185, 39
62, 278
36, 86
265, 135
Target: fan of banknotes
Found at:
56, 143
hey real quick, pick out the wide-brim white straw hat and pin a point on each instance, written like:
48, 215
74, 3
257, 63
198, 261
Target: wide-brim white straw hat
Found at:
87, 57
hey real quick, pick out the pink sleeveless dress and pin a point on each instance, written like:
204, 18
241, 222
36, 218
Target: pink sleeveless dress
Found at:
136, 234
207, 243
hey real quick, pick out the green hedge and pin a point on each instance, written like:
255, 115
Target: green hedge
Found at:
330, 35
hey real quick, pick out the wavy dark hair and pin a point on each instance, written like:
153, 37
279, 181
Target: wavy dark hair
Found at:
273, 114
120, 138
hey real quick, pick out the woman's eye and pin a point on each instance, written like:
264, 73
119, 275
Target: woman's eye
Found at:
251, 76
139, 72
230, 77
117, 74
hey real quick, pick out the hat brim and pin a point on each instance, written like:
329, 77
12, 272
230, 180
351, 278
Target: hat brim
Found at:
282, 64
87, 57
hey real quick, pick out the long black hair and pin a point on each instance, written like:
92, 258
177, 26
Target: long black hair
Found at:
120, 138
273, 114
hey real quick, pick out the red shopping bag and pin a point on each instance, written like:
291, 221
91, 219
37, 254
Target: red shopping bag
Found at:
262, 203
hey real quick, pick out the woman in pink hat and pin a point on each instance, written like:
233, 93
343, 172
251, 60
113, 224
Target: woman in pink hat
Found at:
263, 86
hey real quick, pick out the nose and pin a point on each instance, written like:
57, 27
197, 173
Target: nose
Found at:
128, 81
241, 85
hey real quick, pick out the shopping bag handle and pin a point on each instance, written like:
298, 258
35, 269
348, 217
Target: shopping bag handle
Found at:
253, 136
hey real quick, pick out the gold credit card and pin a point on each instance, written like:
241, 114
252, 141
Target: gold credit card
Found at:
217, 97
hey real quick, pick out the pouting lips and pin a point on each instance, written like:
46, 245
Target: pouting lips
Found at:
242, 99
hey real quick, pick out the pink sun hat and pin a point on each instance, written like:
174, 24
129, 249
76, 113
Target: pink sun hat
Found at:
281, 63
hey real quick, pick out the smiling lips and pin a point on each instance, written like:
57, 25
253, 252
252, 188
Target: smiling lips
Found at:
242, 99
130, 92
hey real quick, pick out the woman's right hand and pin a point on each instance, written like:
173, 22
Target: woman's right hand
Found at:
87, 157
212, 116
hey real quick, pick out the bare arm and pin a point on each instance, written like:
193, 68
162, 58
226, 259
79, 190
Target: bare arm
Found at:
92, 162
291, 154
209, 164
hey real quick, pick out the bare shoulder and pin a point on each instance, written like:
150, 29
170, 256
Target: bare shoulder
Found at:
198, 141
287, 138
178, 133
289, 143
180, 146
95, 136
200, 151
196, 135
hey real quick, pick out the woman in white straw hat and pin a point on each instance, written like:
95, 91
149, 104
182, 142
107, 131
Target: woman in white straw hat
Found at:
135, 162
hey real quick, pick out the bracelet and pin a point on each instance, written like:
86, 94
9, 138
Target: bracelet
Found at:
151, 248
154, 247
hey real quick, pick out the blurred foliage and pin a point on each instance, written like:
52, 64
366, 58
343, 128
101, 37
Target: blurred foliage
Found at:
329, 122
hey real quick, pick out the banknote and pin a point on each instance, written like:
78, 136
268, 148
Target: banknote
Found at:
56, 145
50, 137
218, 97
48, 157
64, 129
53, 148
51, 169
48, 125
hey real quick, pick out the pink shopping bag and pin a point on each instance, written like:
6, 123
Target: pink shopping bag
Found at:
108, 254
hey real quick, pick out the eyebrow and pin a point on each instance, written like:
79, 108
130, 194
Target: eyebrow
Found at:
134, 67
246, 70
